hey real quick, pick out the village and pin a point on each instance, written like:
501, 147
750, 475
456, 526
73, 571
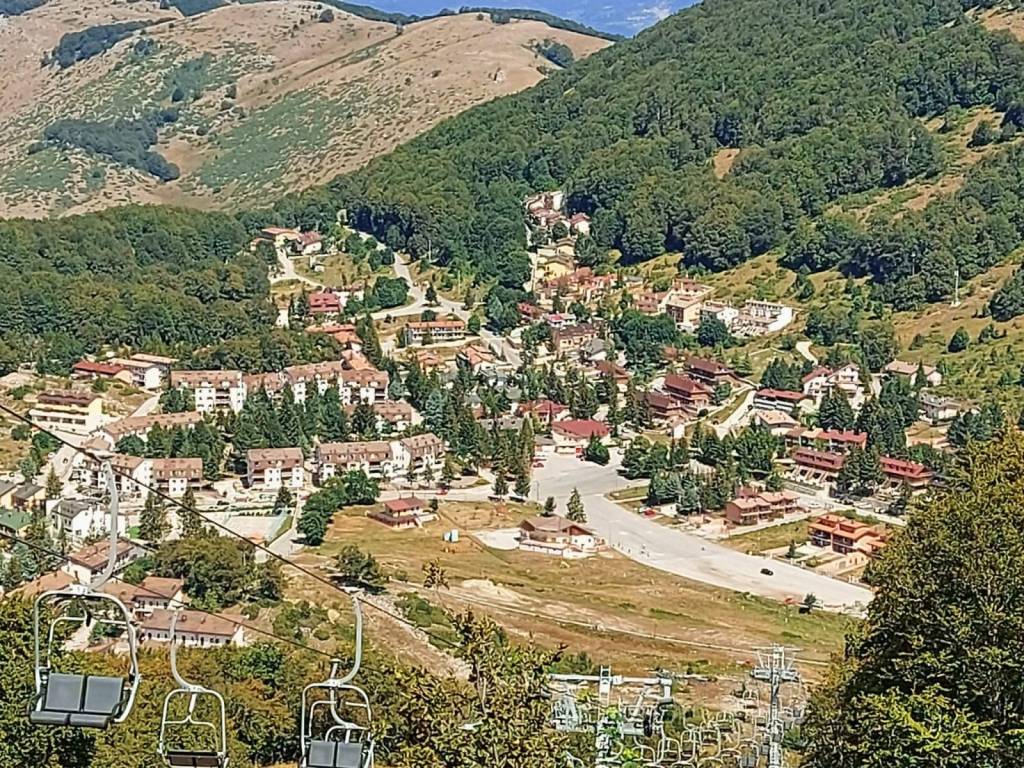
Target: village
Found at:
780, 485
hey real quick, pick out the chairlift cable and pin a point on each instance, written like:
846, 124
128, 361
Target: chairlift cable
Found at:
220, 526
150, 593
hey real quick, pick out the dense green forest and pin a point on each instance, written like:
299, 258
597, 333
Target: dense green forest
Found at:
148, 277
824, 100
18, 7
127, 142
79, 46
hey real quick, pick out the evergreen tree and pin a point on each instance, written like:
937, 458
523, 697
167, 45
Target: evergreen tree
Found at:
522, 481
933, 672
364, 422
283, 502
191, 521
575, 510
500, 482
959, 341
596, 452
153, 525
835, 411
54, 487
549, 506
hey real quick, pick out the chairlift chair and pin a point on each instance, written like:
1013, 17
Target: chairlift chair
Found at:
178, 756
77, 700
328, 738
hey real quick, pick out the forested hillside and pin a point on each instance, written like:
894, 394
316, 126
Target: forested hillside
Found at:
823, 100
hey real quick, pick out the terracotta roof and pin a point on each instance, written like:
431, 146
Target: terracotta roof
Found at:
189, 622
554, 524
781, 394
98, 369
711, 367
581, 428
686, 385
819, 459
373, 452
216, 379
260, 459
422, 445
95, 555
67, 397
398, 506
168, 469
133, 425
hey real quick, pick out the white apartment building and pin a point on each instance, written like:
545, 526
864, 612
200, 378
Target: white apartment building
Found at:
761, 317
213, 390
271, 468
79, 519
76, 413
194, 629
434, 332
175, 476
145, 375
382, 460
140, 426
366, 386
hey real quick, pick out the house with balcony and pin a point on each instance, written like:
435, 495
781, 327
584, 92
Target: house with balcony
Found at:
272, 468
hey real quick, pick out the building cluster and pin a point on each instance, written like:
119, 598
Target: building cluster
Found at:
228, 390
291, 242
752, 506
144, 371
845, 536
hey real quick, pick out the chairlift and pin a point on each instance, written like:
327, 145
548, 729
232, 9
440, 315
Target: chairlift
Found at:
182, 757
329, 739
76, 700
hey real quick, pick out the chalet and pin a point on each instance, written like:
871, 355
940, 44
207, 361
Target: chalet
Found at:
693, 395
909, 371
711, 372
555, 535
428, 360
817, 466
899, 473
194, 629
606, 369
28, 496
777, 400
213, 390
937, 410
845, 536
271, 468
752, 506
434, 332
324, 303
175, 476
573, 435
664, 408
77, 413
478, 358
838, 441
569, 340
400, 514
151, 594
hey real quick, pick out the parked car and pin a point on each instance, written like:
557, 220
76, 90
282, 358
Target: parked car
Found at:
767, 572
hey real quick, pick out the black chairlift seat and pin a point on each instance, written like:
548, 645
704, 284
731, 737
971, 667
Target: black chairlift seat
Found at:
335, 754
82, 701
183, 758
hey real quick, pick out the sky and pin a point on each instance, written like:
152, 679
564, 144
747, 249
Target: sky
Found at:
624, 17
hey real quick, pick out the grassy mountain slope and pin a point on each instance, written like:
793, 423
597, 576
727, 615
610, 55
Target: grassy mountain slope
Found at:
273, 99
824, 100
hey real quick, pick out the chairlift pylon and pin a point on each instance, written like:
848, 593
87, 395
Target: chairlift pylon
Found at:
329, 738
76, 700
183, 757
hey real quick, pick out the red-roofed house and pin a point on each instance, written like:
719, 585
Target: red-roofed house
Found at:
694, 395
752, 506
846, 536
839, 441
899, 472
777, 399
400, 514
711, 372
816, 465
87, 369
324, 303
573, 435
545, 412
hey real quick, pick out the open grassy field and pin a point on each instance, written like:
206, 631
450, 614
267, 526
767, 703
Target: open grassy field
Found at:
616, 610
765, 539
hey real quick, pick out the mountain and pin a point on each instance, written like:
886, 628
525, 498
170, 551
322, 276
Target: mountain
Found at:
104, 103
621, 17
733, 129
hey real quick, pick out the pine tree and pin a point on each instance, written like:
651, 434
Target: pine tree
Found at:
191, 521
54, 487
549, 506
13, 574
447, 472
283, 502
575, 510
153, 526
836, 411
500, 482
522, 481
